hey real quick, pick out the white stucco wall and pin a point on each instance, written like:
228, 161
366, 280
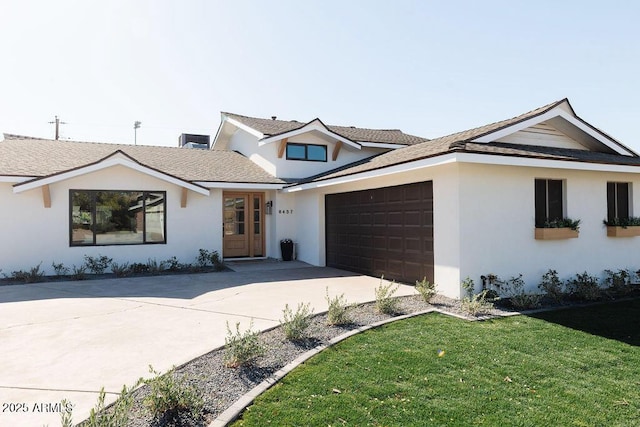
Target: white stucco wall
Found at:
32, 234
497, 224
266, 156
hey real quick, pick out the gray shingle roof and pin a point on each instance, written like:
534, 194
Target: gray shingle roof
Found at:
33, 157
460, 142
270, 127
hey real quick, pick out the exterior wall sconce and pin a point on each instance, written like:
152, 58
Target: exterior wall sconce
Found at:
268, 207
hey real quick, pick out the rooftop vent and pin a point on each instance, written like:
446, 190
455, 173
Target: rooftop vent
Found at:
188, 140
274, 117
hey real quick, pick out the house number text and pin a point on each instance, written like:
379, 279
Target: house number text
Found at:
285, 211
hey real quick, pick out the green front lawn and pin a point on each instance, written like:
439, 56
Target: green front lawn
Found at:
521, 371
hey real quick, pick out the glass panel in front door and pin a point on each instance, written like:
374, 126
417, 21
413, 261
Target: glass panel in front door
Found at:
234, 216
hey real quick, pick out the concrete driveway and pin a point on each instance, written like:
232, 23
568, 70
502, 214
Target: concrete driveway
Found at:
66, 340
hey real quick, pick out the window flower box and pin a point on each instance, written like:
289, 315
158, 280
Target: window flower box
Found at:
618, 231
556, 233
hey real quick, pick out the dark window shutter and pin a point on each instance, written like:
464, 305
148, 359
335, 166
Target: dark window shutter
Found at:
541, 201
611, 201
555, 199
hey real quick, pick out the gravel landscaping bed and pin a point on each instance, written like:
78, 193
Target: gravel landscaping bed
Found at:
221, 386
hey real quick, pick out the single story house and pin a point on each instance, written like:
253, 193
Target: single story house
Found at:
374, 201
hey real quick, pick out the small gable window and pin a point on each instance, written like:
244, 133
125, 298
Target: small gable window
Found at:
549, 194
618, 196
309, 152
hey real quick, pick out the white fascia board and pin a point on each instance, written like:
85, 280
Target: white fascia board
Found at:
405, 167
244, 127
107, 163
240, 185
491, 159
381, 145
555, 112
16, 179
309, 128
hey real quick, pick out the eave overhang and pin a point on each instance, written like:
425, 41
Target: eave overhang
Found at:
117, 158
316, 126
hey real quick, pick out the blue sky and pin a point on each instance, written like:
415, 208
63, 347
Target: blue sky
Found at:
428, 68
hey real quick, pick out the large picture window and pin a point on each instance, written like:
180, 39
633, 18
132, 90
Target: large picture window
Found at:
309, 152
549, 201
117, 217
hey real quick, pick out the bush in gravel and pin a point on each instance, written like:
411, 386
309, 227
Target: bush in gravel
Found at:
120, 270
520, 299
116, 415
97, 265
584, 287
618, 281
338, 312
169, 397
242, 348
173, 264
32, 276
552, 286
138, 267
295, 324
473, 303
426, 289
60, 269
155, 267
385, 302
206, 258
79, 273
66, 419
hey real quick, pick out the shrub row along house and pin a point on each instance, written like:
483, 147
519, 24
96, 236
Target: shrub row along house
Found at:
379, 202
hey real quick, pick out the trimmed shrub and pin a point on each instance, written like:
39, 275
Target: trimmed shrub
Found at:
242, 348
552, 286
385, 302
514, 288
427, 290
97, 265
60, 269
584, 287
32, 276
170, 396
117, 414
338, 311
295, 324
474, 304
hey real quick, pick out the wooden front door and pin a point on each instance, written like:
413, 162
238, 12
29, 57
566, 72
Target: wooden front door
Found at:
243, 225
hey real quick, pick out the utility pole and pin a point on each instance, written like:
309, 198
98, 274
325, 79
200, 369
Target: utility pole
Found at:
136, 126
57, 122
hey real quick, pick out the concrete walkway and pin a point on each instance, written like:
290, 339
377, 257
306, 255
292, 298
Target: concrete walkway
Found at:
66, 340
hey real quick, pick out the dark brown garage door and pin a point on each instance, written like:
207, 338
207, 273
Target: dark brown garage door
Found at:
384, 231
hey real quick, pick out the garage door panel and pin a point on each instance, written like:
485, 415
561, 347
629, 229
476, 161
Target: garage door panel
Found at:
382, 231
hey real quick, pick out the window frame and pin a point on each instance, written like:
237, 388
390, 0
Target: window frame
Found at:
613, 195
92, 196
306, 152
538, 196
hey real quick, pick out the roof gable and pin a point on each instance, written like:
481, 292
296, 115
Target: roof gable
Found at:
562, 117
117, 158
315, 126
270, 129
